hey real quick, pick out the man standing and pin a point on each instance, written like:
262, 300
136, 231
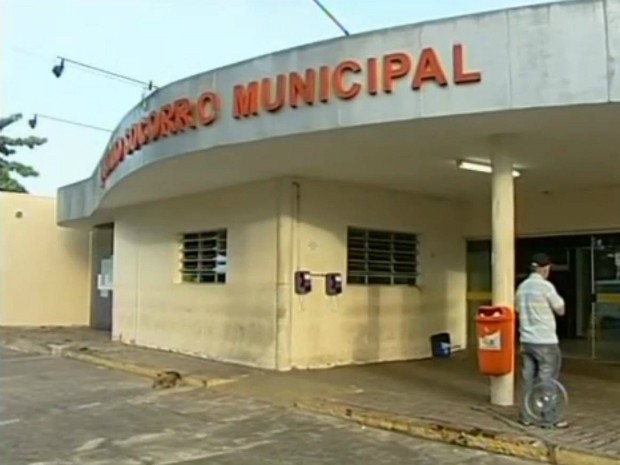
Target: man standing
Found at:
537, 303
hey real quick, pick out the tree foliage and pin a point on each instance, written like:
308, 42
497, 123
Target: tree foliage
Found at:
10, 168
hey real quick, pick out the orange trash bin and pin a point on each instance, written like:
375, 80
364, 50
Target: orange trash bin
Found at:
495, 329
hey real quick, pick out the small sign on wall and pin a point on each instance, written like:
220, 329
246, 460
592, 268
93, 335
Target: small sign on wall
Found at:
104, 278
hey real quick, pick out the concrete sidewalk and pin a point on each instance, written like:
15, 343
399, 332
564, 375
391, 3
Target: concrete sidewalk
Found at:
443, 400
96, 347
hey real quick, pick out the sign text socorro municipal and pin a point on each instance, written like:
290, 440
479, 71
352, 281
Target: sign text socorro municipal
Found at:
344, 81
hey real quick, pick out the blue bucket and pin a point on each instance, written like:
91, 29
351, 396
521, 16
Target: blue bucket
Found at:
441, 346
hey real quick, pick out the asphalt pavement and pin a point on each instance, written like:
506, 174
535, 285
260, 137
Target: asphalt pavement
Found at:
56, 411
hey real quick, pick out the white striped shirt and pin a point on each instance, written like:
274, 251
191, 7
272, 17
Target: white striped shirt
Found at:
537, 300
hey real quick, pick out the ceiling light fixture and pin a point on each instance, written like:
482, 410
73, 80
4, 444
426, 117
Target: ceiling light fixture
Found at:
480, 167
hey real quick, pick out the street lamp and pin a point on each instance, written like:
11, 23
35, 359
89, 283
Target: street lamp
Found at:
32, 122
59, 68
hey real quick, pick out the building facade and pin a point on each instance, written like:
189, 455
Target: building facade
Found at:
354, 156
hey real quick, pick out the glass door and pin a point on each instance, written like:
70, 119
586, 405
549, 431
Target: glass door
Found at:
575, 286
604, 324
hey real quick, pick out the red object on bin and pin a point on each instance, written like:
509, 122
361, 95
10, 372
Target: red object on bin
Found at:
495, 328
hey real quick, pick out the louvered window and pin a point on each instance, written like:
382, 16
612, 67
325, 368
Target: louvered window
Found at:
381, 258
204, 257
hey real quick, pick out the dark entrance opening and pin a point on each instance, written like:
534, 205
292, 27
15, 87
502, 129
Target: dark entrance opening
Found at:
102, 252
586, 273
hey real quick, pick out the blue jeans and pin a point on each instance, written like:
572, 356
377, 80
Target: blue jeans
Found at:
540, 363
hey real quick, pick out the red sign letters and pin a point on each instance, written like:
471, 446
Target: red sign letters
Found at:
345, 81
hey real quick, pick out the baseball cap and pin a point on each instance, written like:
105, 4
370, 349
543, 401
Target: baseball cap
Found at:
541, 260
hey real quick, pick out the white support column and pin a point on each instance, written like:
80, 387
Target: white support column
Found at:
503, 264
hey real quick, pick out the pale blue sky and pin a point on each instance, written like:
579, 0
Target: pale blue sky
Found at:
162, 40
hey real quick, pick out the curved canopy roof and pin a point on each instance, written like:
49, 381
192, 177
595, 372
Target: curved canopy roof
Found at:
422, 92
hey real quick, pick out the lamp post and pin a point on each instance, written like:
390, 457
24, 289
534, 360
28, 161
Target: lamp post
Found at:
59, 69
32, 122
332, 17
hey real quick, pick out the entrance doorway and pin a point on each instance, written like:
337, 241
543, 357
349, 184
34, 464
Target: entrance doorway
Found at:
101, 252
586, 273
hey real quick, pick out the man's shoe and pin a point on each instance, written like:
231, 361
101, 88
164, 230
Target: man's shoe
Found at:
562, 424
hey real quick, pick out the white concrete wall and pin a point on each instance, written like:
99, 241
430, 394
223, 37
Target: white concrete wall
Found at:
377, 323
564, 212
232, 322
255, 318
44, 269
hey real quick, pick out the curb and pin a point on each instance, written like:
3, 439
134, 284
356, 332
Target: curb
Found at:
523, 447
23, 345
128, 367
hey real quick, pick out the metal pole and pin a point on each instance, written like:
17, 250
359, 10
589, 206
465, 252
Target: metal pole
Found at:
332, 17
593, 297
109, 73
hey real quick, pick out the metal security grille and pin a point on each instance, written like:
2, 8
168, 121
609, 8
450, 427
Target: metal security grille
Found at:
381, 258
204, 257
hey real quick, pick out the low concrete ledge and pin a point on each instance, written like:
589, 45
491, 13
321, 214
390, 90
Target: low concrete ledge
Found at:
68, 351
520, 446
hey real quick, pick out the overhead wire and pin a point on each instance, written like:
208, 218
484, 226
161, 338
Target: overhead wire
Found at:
76, 123
331, 17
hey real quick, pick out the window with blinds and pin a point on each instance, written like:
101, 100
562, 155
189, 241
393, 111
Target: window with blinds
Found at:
204, 257
381, 258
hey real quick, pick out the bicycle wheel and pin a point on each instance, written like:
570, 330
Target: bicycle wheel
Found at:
546, 401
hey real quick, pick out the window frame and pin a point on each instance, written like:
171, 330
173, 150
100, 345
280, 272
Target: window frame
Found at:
386, 247
216, 256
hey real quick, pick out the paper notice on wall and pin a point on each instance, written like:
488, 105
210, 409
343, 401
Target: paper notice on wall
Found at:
104, 279
491, 341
